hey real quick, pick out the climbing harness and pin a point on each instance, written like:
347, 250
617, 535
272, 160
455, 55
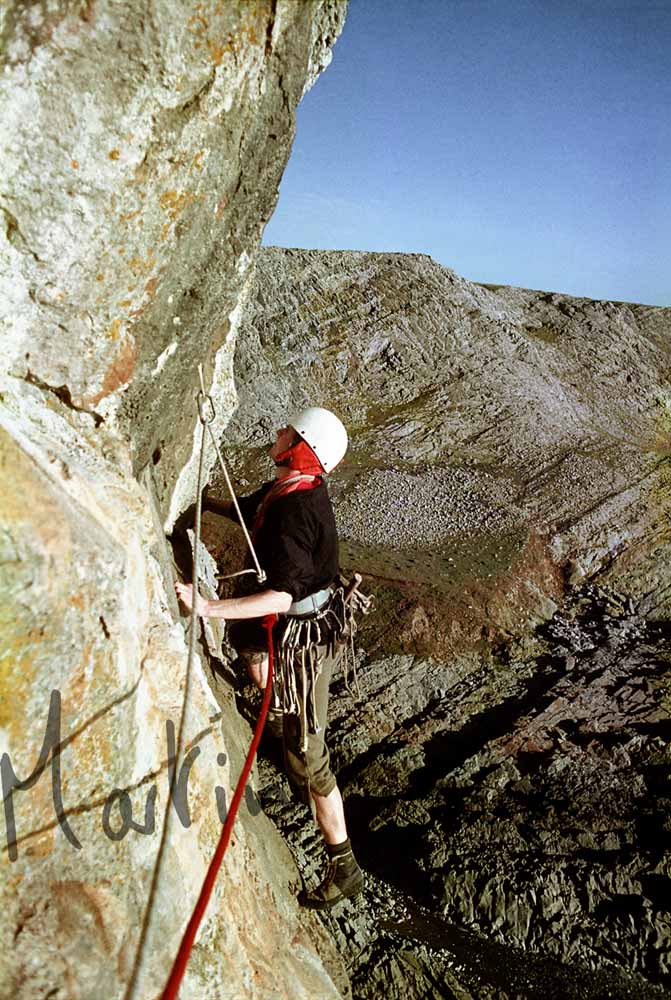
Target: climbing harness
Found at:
303, 644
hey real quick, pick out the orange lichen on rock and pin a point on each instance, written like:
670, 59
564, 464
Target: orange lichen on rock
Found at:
217, 51
149, 291
197, 23
80, 903
77, 601
42, 844
142, 265
174, 202
33, 522
120, 370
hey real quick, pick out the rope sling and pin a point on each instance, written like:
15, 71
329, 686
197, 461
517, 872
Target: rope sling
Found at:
301, 648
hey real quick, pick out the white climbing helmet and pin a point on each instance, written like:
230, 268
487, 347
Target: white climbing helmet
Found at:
324, 432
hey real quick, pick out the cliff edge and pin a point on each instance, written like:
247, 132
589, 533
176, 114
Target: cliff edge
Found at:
144, 145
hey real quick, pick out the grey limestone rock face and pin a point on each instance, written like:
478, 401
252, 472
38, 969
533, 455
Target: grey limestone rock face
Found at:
142, 148
145, 144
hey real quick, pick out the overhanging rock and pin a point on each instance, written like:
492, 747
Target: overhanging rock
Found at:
146, 145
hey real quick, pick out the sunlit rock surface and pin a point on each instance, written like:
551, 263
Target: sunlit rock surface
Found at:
142, 150
508, 497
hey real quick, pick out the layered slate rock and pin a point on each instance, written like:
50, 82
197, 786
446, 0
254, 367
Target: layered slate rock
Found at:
491, 427
506, 496
144, 144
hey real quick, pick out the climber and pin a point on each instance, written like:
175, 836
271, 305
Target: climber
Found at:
294, 532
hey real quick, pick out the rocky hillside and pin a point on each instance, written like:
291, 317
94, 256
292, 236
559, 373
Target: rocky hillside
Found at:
508, 497
143, 146
497, 423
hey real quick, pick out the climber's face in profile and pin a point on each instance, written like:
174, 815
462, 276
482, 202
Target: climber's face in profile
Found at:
284, 438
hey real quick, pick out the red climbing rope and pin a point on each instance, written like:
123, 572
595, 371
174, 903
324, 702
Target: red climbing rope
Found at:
179, 966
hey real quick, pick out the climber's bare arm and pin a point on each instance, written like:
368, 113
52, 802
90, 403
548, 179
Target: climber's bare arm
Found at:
267, 602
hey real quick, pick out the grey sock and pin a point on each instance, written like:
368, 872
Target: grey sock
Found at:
337, 850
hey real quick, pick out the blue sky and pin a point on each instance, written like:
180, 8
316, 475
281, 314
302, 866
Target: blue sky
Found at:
521, 142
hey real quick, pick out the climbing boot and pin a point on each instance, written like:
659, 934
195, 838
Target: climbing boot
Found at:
343, 879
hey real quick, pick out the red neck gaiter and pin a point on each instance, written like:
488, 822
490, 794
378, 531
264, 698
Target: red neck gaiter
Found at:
305, 475
301, 458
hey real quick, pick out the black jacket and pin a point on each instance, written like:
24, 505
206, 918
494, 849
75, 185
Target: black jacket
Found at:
297, 543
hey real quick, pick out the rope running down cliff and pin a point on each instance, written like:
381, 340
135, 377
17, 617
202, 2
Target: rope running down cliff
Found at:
206, 415
131, 989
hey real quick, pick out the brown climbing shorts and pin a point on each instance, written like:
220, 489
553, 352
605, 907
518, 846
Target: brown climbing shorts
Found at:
309, 770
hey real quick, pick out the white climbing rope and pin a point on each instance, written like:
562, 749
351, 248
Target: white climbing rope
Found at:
260, 575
